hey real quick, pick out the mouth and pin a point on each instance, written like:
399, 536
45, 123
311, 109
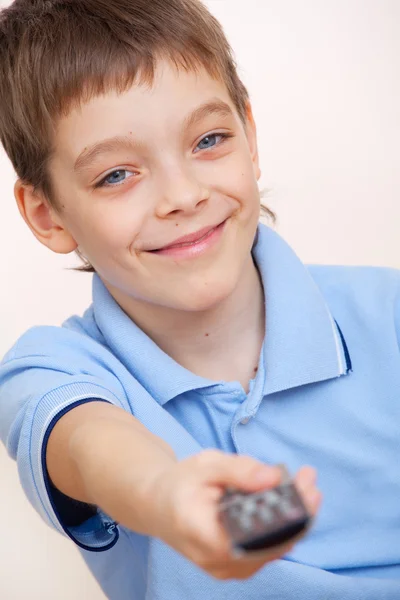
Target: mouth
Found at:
194, 243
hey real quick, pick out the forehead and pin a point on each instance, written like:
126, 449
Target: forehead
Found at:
165, 104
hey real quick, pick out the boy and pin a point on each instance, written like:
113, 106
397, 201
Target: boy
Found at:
209, 351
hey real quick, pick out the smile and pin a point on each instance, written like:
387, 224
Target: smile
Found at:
194, 247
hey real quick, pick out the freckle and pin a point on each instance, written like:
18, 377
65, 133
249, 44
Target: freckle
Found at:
207, 334
255, 369
176, 224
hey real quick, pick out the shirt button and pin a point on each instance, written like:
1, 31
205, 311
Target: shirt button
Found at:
245, 420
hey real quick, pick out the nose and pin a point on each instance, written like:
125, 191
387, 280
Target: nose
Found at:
180, 191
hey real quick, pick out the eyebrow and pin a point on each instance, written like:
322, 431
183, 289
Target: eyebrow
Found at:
215, 107
89, 154
109, 145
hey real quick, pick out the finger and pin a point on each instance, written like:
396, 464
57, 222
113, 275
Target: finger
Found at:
240, 472
313, 502
306, 476
237, 571
305, 482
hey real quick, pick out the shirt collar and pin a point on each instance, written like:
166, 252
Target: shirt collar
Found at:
303, 343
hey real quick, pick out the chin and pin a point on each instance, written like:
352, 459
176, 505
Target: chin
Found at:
206, 296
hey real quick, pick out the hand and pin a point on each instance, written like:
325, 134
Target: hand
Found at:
186, 500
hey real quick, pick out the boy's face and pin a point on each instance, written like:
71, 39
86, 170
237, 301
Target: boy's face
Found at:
171, 172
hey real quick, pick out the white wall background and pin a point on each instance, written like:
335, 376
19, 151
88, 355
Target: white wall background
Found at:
325, 81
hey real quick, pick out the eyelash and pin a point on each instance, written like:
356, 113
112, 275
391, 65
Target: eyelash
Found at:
223, 136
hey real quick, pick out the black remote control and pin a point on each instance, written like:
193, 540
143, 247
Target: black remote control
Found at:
261, 520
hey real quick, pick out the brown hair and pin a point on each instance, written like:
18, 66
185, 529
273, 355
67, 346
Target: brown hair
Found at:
55, 54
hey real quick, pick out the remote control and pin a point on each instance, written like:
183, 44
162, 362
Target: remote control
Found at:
258, 521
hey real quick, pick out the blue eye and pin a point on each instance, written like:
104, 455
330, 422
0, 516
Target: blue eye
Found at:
114, 178
208, 142
212, 140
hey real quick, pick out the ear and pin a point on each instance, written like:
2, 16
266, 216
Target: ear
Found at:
43, 220
251, 131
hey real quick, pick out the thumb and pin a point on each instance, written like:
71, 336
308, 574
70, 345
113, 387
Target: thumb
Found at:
243, 472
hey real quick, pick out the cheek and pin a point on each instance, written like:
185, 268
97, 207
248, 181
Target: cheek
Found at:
107, 231
240, 179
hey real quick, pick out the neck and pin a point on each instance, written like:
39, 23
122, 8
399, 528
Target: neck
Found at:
222, 343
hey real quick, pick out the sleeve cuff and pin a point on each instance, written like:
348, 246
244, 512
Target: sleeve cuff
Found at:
99, 532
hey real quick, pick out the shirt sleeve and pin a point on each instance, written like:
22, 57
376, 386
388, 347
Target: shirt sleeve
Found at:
397, 312
48, 372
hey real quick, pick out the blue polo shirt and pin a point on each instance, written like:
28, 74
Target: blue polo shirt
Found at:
327, 393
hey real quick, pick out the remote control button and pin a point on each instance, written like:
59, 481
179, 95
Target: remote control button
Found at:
285, 507
246, 523
266, 514
250, 506
235, 513
272, 498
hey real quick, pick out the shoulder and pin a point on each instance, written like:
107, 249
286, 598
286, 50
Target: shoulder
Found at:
357, 282
53, 367
75, 347
368, 295
76, 334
